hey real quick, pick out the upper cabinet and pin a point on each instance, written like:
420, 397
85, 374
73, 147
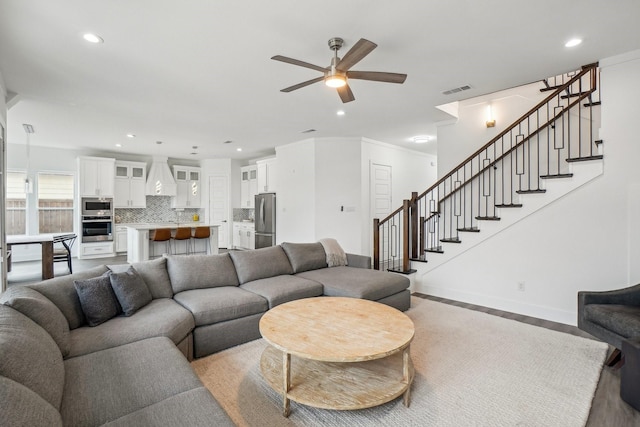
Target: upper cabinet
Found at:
96, 176
188, 187
267, 177
130, 181
248, 186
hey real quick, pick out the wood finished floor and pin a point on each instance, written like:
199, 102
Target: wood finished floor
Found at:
607, 410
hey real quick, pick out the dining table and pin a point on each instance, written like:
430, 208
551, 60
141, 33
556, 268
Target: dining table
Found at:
45, 240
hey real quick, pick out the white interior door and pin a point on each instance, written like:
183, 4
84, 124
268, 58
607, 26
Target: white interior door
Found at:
380, 199
219, 207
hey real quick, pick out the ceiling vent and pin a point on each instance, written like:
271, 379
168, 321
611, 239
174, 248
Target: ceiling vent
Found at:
456, 90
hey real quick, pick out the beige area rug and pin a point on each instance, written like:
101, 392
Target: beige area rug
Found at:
472, 369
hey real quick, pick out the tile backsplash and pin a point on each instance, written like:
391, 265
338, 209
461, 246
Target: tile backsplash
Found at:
158, 210
242, 214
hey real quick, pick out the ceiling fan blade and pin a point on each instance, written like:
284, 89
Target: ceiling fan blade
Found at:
345, 94
359, 50
303, 84
298, 62
377, 76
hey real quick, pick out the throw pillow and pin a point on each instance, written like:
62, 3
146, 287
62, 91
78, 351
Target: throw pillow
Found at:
132, 292
97, 299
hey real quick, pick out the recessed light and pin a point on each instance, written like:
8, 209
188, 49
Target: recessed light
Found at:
238, 149
130, 135
118, 145
92, 38
421, 139
340, 112
573, 43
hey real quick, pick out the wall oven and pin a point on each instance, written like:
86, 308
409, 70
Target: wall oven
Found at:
97, 229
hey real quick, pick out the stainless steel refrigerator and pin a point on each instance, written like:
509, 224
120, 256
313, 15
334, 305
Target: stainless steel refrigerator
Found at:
265, 220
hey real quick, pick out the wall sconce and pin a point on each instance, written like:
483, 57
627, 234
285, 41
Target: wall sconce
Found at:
491, 121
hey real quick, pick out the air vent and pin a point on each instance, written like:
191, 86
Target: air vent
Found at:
227, 142
456, 90
308, 131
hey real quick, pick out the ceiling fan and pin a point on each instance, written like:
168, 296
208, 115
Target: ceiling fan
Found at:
338, 73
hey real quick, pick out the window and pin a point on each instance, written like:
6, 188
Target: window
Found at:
16, 204
55, 203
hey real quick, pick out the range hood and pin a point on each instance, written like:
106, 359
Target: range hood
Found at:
160, 181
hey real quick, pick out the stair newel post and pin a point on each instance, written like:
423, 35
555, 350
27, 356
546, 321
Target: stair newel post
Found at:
406, 213
376, 244
414, 225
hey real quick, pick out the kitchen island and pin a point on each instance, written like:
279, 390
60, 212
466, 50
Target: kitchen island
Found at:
138, 237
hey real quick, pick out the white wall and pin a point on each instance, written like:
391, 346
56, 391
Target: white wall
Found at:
295, 198
3, 165
587, 240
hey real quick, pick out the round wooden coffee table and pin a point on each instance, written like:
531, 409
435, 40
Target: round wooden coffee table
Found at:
337, 353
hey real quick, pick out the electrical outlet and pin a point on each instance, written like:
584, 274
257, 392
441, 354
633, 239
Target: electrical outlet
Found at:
521, 286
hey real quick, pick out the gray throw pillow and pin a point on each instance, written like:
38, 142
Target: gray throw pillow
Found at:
97, 299
132, 292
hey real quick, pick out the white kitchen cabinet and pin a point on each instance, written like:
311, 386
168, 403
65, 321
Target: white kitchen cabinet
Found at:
267, 177
121, 238
96, 176
248, 186
130, 181
96, 250
188, 187
244, 235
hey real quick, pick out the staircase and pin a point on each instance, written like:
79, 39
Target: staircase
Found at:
549, 151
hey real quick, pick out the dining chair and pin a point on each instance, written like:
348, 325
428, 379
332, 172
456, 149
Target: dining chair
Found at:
62, 245
200, 233
161, 235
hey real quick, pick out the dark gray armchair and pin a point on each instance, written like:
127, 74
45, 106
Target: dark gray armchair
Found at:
612, 316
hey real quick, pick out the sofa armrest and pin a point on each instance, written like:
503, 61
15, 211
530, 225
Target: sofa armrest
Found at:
358, 261
626, 296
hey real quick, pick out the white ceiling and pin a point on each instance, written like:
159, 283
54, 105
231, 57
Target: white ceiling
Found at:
198, 72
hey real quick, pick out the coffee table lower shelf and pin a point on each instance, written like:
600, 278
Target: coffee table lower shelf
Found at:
339, 385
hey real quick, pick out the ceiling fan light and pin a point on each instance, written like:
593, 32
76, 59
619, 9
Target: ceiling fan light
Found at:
335, 81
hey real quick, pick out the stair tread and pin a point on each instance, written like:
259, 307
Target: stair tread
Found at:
421, 259
592, 104
470, 229
509, 205
558, 175
436, 249
538, 191
598, 141
451, 240
488, 218
585, 159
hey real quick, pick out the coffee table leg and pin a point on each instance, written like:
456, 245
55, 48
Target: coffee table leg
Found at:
406, 376
286, 370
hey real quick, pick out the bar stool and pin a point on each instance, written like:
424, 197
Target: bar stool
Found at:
202, 233
160, 235
182, 233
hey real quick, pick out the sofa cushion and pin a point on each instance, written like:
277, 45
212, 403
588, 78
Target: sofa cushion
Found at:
132, 292
153, 272
357, 282
29, 356
160, 318
193, 408
62, 293
200, 271
41, 310
22, 407
305, 256
260, 263
106, 385
215, 305
623, 320
281, 289
97, 299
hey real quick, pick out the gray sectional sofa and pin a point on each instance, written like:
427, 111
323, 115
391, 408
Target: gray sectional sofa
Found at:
133, 369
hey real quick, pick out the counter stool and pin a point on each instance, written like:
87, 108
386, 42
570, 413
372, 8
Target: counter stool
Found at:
160, 235
202, 233
182, 233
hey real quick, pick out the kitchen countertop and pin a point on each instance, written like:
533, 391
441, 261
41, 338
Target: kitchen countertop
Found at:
173, 225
